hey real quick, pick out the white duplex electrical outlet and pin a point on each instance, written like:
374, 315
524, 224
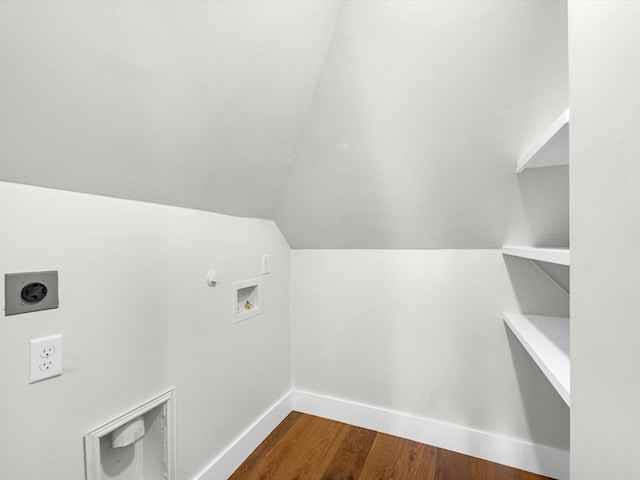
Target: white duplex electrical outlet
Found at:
45, 358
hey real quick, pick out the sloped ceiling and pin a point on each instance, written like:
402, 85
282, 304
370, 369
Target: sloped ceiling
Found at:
196, 104
421, 113
363, 124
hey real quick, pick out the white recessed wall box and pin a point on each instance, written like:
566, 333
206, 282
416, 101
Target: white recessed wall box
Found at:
139, 444
246, 299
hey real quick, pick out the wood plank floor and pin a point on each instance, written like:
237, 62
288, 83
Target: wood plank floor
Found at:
304, 447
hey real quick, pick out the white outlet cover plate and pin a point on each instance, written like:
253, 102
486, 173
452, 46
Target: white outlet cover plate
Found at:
45, 358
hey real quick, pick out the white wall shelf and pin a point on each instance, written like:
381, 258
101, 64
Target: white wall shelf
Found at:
551, 149
560, 256
546, 339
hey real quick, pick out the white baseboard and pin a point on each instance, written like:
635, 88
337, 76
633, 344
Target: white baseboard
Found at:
229, 460
547, 461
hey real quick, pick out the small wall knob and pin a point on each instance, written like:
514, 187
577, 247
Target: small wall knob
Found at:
212, 278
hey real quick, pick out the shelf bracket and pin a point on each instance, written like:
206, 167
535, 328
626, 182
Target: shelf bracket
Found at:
548, 276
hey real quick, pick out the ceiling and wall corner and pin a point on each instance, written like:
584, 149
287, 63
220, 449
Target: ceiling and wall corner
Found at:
352, 125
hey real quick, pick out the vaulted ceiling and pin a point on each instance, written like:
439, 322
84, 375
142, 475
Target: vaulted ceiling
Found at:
356, 124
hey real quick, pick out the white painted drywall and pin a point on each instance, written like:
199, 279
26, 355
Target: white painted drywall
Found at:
137, 318
421, 332
188, 103
604, 46
421, 112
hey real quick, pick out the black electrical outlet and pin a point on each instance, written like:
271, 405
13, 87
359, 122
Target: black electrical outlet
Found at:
34, 292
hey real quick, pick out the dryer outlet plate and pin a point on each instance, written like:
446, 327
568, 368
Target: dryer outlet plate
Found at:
30, 292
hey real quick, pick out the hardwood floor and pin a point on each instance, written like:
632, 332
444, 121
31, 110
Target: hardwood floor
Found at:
304, 447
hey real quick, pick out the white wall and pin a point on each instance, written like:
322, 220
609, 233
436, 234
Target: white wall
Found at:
421, 332
137, 318
605, 238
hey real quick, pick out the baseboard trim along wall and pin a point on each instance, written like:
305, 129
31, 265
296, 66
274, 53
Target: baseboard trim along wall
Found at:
229, 460
547, 461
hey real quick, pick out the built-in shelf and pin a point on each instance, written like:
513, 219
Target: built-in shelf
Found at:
551, 149
551, 255
546, 339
